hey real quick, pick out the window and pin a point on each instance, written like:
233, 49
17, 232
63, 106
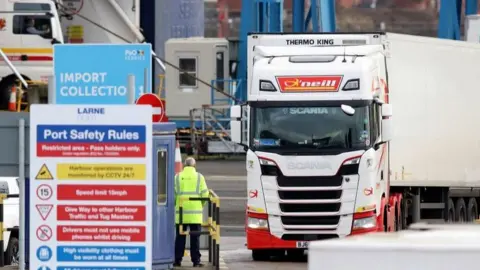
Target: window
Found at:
188, 68
32, 25
162, 176
31, 7
220, 71
4, 187
375, 122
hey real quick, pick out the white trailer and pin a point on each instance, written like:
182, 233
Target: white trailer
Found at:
413, 250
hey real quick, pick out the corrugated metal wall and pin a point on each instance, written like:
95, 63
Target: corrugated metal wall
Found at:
177, 19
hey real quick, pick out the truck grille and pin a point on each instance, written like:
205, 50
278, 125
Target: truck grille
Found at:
320, 207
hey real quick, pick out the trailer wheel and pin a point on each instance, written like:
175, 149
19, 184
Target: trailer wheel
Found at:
472, 210
398, 217
450, 211
461, 211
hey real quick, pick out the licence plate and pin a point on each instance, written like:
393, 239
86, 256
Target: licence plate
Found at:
302, 244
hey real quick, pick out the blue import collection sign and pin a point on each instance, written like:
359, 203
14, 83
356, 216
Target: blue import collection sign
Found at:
98, 73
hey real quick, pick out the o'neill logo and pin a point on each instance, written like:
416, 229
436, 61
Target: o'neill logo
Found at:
309, 83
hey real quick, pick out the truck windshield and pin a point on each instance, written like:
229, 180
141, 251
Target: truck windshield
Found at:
312, 128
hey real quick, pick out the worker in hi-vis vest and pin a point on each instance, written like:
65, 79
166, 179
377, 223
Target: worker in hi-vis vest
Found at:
189, 183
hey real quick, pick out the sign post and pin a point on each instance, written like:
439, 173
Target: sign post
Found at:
101, 73
158, 112
91, 187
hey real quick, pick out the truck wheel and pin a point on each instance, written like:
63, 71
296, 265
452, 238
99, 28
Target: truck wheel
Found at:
295, 254
450, 211
261, 254
472, 210
460, 210
398, 218
12, 254
385, 219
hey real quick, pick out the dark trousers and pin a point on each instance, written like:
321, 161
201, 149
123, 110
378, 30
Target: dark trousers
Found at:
180, 242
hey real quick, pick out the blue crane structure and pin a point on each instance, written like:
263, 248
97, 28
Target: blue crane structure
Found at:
266, 16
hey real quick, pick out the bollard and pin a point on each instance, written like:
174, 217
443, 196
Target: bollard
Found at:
2, 254
217, 247
210, 230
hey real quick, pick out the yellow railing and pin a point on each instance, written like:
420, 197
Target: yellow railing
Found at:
213, 225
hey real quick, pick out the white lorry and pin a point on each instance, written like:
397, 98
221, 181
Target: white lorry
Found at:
29, 28
318, 127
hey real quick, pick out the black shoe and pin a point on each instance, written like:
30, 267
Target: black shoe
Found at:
198, 265
177, 264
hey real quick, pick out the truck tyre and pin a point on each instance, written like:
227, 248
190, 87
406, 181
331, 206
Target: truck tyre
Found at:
472, 210
398, 217
450, 211
261, 254
295, 254
12, 255
385, 219
461, 211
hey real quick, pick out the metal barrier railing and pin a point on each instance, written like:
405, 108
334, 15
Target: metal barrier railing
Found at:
2, 229
213, 225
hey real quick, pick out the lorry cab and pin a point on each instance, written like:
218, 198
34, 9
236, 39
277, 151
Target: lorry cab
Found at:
29, 24
317, 144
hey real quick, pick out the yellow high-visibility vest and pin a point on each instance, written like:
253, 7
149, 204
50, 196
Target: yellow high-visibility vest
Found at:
190, 184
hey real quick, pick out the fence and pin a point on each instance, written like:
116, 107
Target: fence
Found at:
2, 198
213, 226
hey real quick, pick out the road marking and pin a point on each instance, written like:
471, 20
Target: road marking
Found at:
232, 227
233, 198
226, 178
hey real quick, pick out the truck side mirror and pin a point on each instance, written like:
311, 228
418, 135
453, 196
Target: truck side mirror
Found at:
239, 125
387, 128
386, 110
236, 123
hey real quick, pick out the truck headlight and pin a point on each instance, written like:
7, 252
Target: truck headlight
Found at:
257, 223
365, 223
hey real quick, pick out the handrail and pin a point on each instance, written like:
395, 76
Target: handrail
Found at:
213, 225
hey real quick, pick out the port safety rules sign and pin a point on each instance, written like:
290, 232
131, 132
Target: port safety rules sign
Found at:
91, 187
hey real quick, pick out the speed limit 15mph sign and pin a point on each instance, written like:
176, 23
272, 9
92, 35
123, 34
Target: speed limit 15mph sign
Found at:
44, 192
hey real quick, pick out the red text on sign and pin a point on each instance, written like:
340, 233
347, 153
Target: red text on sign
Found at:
101, 233
101, 192
122, 150
101, 213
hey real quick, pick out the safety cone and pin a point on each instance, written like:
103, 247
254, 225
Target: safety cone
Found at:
12, 103
178, 159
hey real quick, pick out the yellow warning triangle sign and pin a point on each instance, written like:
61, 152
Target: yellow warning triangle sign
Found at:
44, 173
